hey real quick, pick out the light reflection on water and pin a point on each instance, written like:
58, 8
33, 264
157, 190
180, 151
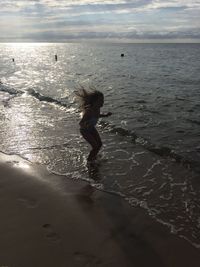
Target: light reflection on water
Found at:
19, 126
49, 135
22, 165
45, 133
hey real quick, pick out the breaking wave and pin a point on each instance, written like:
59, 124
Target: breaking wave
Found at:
10, 90
48, 99
162, 151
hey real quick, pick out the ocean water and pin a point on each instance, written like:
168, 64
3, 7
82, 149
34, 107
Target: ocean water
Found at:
151, 151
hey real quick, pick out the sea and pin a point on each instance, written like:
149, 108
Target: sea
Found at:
151, 143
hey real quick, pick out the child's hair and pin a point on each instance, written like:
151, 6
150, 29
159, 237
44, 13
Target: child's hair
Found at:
88, 97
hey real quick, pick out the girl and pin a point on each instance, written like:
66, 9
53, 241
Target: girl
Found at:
91, 102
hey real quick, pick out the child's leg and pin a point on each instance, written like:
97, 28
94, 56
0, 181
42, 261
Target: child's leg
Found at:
98, 146
92, 137
97, 138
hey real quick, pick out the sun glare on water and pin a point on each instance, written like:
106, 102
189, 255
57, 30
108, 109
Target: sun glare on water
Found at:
22, 165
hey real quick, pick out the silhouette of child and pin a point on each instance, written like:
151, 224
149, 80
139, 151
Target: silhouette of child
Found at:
91, 102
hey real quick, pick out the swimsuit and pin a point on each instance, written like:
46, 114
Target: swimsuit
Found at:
92, 123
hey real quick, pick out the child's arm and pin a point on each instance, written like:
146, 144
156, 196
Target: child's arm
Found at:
105, 115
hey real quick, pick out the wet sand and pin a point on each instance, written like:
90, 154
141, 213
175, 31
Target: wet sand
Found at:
49, 220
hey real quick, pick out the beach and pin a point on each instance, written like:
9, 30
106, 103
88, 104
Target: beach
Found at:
50, 220
138, 204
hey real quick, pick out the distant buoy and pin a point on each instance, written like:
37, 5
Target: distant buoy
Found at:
122, 55
56, 57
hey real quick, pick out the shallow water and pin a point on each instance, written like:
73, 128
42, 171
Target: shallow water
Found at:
151, 143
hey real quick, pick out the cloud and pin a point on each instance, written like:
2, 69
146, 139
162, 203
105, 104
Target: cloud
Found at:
51, 19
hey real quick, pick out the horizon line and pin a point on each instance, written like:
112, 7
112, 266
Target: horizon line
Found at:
111, 40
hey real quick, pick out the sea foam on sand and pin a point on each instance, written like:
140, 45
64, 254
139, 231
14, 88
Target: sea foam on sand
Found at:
50, 220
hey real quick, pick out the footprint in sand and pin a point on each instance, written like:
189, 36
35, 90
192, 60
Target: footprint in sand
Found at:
50, 233
28, 202
84, 259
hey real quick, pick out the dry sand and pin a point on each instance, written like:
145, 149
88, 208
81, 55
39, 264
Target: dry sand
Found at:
50, 221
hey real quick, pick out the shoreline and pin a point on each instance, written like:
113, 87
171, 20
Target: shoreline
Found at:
50, 220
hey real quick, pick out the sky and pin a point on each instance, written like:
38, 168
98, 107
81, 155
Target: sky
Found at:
120, 20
